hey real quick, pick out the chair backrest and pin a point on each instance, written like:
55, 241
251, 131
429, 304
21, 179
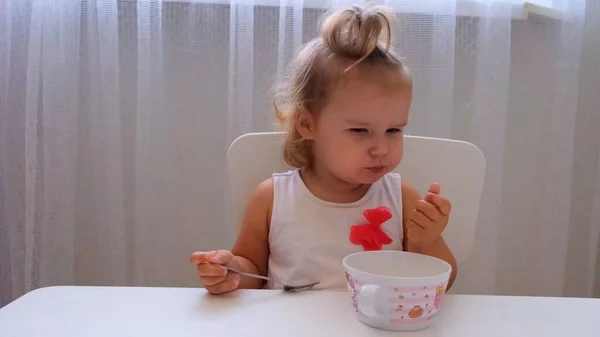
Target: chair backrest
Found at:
458, 166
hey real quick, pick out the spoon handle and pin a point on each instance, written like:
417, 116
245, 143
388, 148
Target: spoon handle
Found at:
249, 274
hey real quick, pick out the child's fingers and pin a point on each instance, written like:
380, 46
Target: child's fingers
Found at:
434, 188
209, 269
216, 256
442, 204
420, 219
428, 209
231, 283
209, 281
201, 257
221, 256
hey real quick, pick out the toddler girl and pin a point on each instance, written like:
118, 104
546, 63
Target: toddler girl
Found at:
345, 104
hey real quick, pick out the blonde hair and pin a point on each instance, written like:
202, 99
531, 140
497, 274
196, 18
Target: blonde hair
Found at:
348, 38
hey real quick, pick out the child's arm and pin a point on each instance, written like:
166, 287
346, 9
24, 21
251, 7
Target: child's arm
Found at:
251, 249
433, 245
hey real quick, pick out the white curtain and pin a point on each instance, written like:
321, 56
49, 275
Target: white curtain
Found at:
115, 118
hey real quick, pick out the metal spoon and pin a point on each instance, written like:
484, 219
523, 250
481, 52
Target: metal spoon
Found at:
285, 286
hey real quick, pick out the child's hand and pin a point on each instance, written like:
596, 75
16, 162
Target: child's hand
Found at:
429, 219
216, 279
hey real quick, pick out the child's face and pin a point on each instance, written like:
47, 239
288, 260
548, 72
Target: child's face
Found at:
358, 135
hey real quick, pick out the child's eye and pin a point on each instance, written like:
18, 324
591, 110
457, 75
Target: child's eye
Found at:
395, 130
359, 130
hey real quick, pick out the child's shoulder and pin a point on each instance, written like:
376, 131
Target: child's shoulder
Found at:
288, 173
409, 192
265, 188
410, 197
262, 197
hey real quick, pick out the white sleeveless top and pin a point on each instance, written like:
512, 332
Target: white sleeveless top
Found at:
309, 237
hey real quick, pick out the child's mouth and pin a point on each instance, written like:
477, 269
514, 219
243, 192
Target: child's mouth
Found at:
376, 169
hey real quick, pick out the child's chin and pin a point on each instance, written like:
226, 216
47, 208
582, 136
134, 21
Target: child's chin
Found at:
370, 178
362, 177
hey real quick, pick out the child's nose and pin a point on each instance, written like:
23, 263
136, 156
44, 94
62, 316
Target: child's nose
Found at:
379, 148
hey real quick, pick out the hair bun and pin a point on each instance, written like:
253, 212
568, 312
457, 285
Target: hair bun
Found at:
356, 32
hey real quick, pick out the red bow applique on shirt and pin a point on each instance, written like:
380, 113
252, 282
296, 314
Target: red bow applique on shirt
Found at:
370, 235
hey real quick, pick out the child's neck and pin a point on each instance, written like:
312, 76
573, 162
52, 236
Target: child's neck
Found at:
325, 186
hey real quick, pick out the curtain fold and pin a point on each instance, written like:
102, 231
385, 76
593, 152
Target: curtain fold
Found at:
116, 116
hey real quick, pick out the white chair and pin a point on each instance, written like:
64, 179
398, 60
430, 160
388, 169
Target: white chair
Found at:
458, 166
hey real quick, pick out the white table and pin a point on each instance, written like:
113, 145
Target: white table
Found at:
173, 312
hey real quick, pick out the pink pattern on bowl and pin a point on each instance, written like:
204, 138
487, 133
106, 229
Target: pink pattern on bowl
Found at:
396, 290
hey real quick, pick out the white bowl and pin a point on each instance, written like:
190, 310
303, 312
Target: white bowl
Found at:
396, 290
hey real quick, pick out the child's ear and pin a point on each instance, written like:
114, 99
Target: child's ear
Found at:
306, 124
